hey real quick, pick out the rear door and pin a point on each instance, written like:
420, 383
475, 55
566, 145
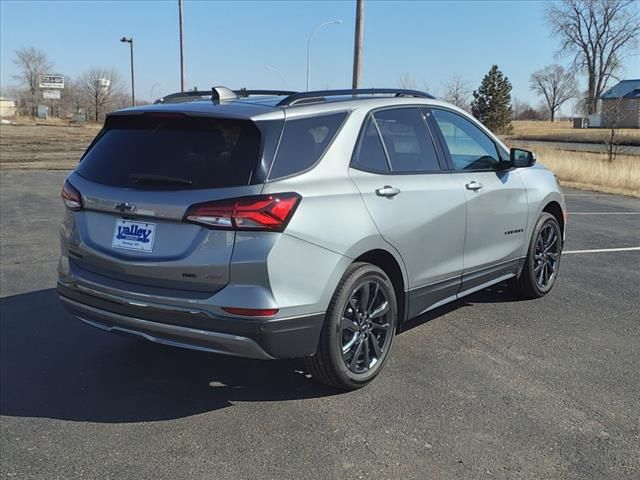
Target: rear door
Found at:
415, 206
137, 181
496, 200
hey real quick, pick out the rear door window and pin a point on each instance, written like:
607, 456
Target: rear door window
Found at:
172, 151
303, 142
407, 140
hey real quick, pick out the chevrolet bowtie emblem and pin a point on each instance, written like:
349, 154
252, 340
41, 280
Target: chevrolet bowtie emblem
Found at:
125, 207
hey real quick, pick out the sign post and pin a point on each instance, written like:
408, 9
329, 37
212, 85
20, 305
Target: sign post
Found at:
51, 85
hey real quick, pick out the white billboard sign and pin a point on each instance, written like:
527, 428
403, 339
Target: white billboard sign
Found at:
51, 94
51, 81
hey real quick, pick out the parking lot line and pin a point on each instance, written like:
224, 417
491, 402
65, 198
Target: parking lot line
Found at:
603, 250
588, 195
604, 213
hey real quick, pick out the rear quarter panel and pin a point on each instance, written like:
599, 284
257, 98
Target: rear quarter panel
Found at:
331, 215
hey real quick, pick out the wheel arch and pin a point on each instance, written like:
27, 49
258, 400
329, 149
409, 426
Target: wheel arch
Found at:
388, 263
555, 209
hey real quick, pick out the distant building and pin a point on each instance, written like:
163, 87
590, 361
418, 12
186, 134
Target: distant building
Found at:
620, 105
7, 107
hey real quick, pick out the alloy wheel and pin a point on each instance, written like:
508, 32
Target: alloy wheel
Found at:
546, 255
365, 330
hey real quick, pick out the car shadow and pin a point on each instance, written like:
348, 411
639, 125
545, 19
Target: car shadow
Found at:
53, 366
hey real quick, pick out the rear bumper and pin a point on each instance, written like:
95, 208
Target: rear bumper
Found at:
193, 328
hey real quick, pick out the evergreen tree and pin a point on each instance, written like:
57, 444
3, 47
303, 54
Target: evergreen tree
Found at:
492, 101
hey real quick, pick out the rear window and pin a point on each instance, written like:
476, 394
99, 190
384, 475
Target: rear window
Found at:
164, 151
303, 142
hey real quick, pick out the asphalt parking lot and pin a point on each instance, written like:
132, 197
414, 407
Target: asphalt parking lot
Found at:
490, 387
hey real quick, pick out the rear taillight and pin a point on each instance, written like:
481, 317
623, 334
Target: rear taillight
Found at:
263, 212
71, 196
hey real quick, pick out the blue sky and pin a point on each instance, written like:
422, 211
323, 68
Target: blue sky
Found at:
230, 43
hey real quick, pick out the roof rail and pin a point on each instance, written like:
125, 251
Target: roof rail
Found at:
243, 92
321, 95
220, 93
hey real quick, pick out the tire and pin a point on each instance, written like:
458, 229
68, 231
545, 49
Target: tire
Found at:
350, 323
528, 284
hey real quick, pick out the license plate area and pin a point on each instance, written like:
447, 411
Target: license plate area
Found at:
132, 235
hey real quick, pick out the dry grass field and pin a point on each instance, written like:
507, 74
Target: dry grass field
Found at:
53, 146
592, 171
563, 131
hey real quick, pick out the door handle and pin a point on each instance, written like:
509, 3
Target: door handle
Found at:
475, 186
387, 191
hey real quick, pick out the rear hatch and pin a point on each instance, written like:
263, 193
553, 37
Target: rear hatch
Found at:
137, 181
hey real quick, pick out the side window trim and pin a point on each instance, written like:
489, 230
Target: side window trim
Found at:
440, 141
441, 153
381, 139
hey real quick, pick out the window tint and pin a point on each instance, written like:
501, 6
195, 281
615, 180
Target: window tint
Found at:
470, 148
303, 143
407, 140
172, 152
370, 154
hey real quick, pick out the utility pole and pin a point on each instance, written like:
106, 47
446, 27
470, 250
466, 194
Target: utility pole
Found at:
182, 79
357, 44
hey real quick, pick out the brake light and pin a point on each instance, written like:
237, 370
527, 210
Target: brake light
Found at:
251, 312
263, 212
71, 196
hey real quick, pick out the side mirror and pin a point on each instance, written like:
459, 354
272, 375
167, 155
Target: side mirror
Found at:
521, 158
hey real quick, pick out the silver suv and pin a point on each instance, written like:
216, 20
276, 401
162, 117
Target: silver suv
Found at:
280, 224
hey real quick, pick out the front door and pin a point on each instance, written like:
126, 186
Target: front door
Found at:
496, 201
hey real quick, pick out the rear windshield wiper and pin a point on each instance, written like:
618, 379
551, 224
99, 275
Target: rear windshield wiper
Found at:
151, 179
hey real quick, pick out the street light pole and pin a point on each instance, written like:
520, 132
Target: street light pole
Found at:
182, 77
152, 87
309, 46
133, 85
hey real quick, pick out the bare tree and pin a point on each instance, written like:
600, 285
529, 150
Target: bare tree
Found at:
612, 116
517, 107
101, 89
556, 84
426, 87
599, 34
31, 63
457, 92
72, 99
542, 110
407, 81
